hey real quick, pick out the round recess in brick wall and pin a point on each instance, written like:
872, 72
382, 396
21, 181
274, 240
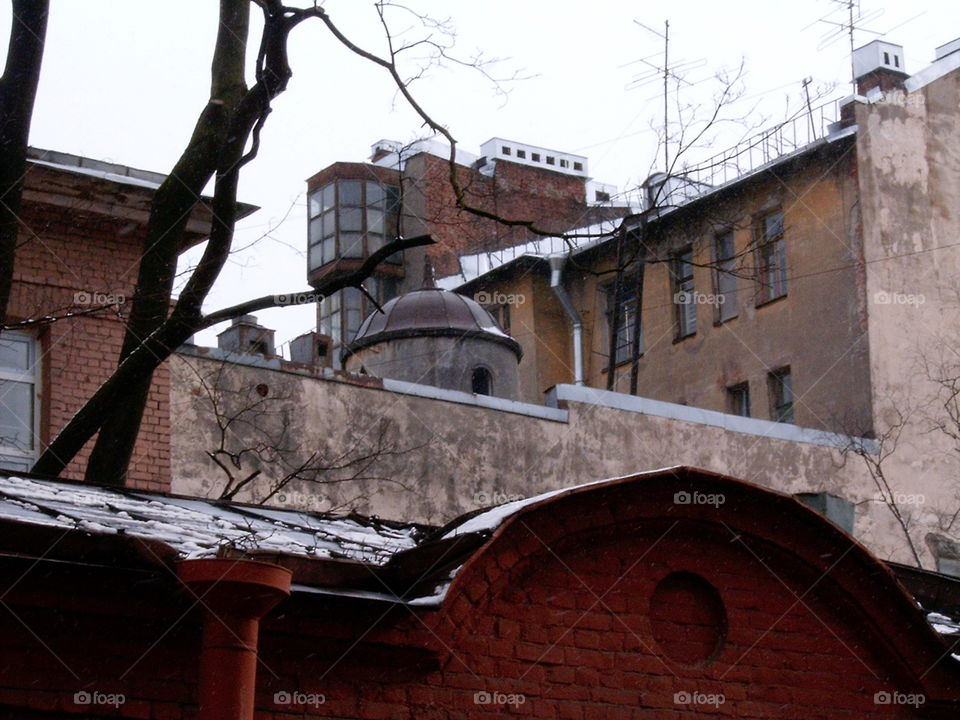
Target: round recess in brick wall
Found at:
688, 619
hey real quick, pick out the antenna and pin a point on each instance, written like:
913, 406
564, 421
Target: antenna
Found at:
666, 71
854, 22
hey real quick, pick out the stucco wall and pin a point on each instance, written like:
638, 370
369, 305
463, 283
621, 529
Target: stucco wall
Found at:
453, 456
909, 170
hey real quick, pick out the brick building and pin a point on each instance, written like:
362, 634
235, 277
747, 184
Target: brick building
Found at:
354, 208
82, 228
671, 594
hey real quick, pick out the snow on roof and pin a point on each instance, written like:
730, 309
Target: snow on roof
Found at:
99, 174
477, 264
199, 528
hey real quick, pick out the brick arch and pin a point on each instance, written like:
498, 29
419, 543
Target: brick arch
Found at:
769, 539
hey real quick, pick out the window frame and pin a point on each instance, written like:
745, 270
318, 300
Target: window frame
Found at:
738, 399
771, 277
328, 243
628, 307
683, 281
32, 376
724, 279
780, 399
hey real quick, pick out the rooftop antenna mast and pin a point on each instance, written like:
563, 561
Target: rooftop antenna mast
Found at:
666, 72
854, 22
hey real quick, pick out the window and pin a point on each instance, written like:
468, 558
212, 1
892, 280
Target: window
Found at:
564, 163
351, 219
501, 314
506, 149
738, 399
521, 154
725, 262
482, 381
18, 400
578, 166
771, 258
550, 160
781, 396
684, 297
626, 317
535, 157
342, 312
601, 196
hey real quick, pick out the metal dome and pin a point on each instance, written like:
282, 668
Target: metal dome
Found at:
430, 312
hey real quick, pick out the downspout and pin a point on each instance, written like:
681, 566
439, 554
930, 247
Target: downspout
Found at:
556, 276
235, 594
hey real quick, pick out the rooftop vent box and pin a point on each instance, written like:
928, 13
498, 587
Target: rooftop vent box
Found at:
878, 55
947, 49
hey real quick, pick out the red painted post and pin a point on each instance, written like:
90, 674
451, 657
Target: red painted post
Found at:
235, 594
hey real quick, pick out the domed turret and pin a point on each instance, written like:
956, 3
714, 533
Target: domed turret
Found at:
435, 337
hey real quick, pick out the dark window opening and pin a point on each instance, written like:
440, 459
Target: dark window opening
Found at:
684, 296
550, 160
725, 257
521, 154
506, 150
602, 196
535, 157
781, 395
771, 258
625, 320
738, 399
886, 58
564, 163
482, 381
578, 166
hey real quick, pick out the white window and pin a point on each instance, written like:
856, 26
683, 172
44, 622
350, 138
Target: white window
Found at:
19, 416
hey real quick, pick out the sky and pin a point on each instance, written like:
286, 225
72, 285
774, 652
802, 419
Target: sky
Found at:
124, 81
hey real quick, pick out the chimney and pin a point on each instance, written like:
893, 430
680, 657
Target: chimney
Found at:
879, 64
246, 337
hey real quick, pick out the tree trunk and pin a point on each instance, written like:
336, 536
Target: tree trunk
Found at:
18, 91
171, 208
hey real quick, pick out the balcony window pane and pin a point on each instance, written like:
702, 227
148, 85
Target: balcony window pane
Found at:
350, 191
351, 245
351, 219
374, 195
374, 220
314, 206
329, 224
329, 249
315, 232
328, 197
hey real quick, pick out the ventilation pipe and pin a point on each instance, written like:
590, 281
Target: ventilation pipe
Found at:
556, 276
235, 594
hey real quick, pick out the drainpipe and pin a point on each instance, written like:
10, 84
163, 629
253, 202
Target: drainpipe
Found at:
556, 274
236, 594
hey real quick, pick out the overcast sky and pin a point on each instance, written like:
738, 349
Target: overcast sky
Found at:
124, 80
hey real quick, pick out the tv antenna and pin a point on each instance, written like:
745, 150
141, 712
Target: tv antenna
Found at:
854, 22
666, 71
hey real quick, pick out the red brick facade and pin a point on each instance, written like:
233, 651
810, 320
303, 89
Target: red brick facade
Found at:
611, 601
79, 250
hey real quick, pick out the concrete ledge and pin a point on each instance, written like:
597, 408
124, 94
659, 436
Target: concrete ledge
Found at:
484, 401
685, 413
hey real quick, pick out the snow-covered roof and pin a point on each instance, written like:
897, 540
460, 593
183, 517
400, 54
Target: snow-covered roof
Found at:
198, 528
578, 239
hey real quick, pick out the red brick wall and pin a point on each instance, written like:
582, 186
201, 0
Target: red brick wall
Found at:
64, 251
558, 617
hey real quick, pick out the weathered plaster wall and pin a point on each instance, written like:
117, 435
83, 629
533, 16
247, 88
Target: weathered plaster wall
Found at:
460, 456
909, 172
